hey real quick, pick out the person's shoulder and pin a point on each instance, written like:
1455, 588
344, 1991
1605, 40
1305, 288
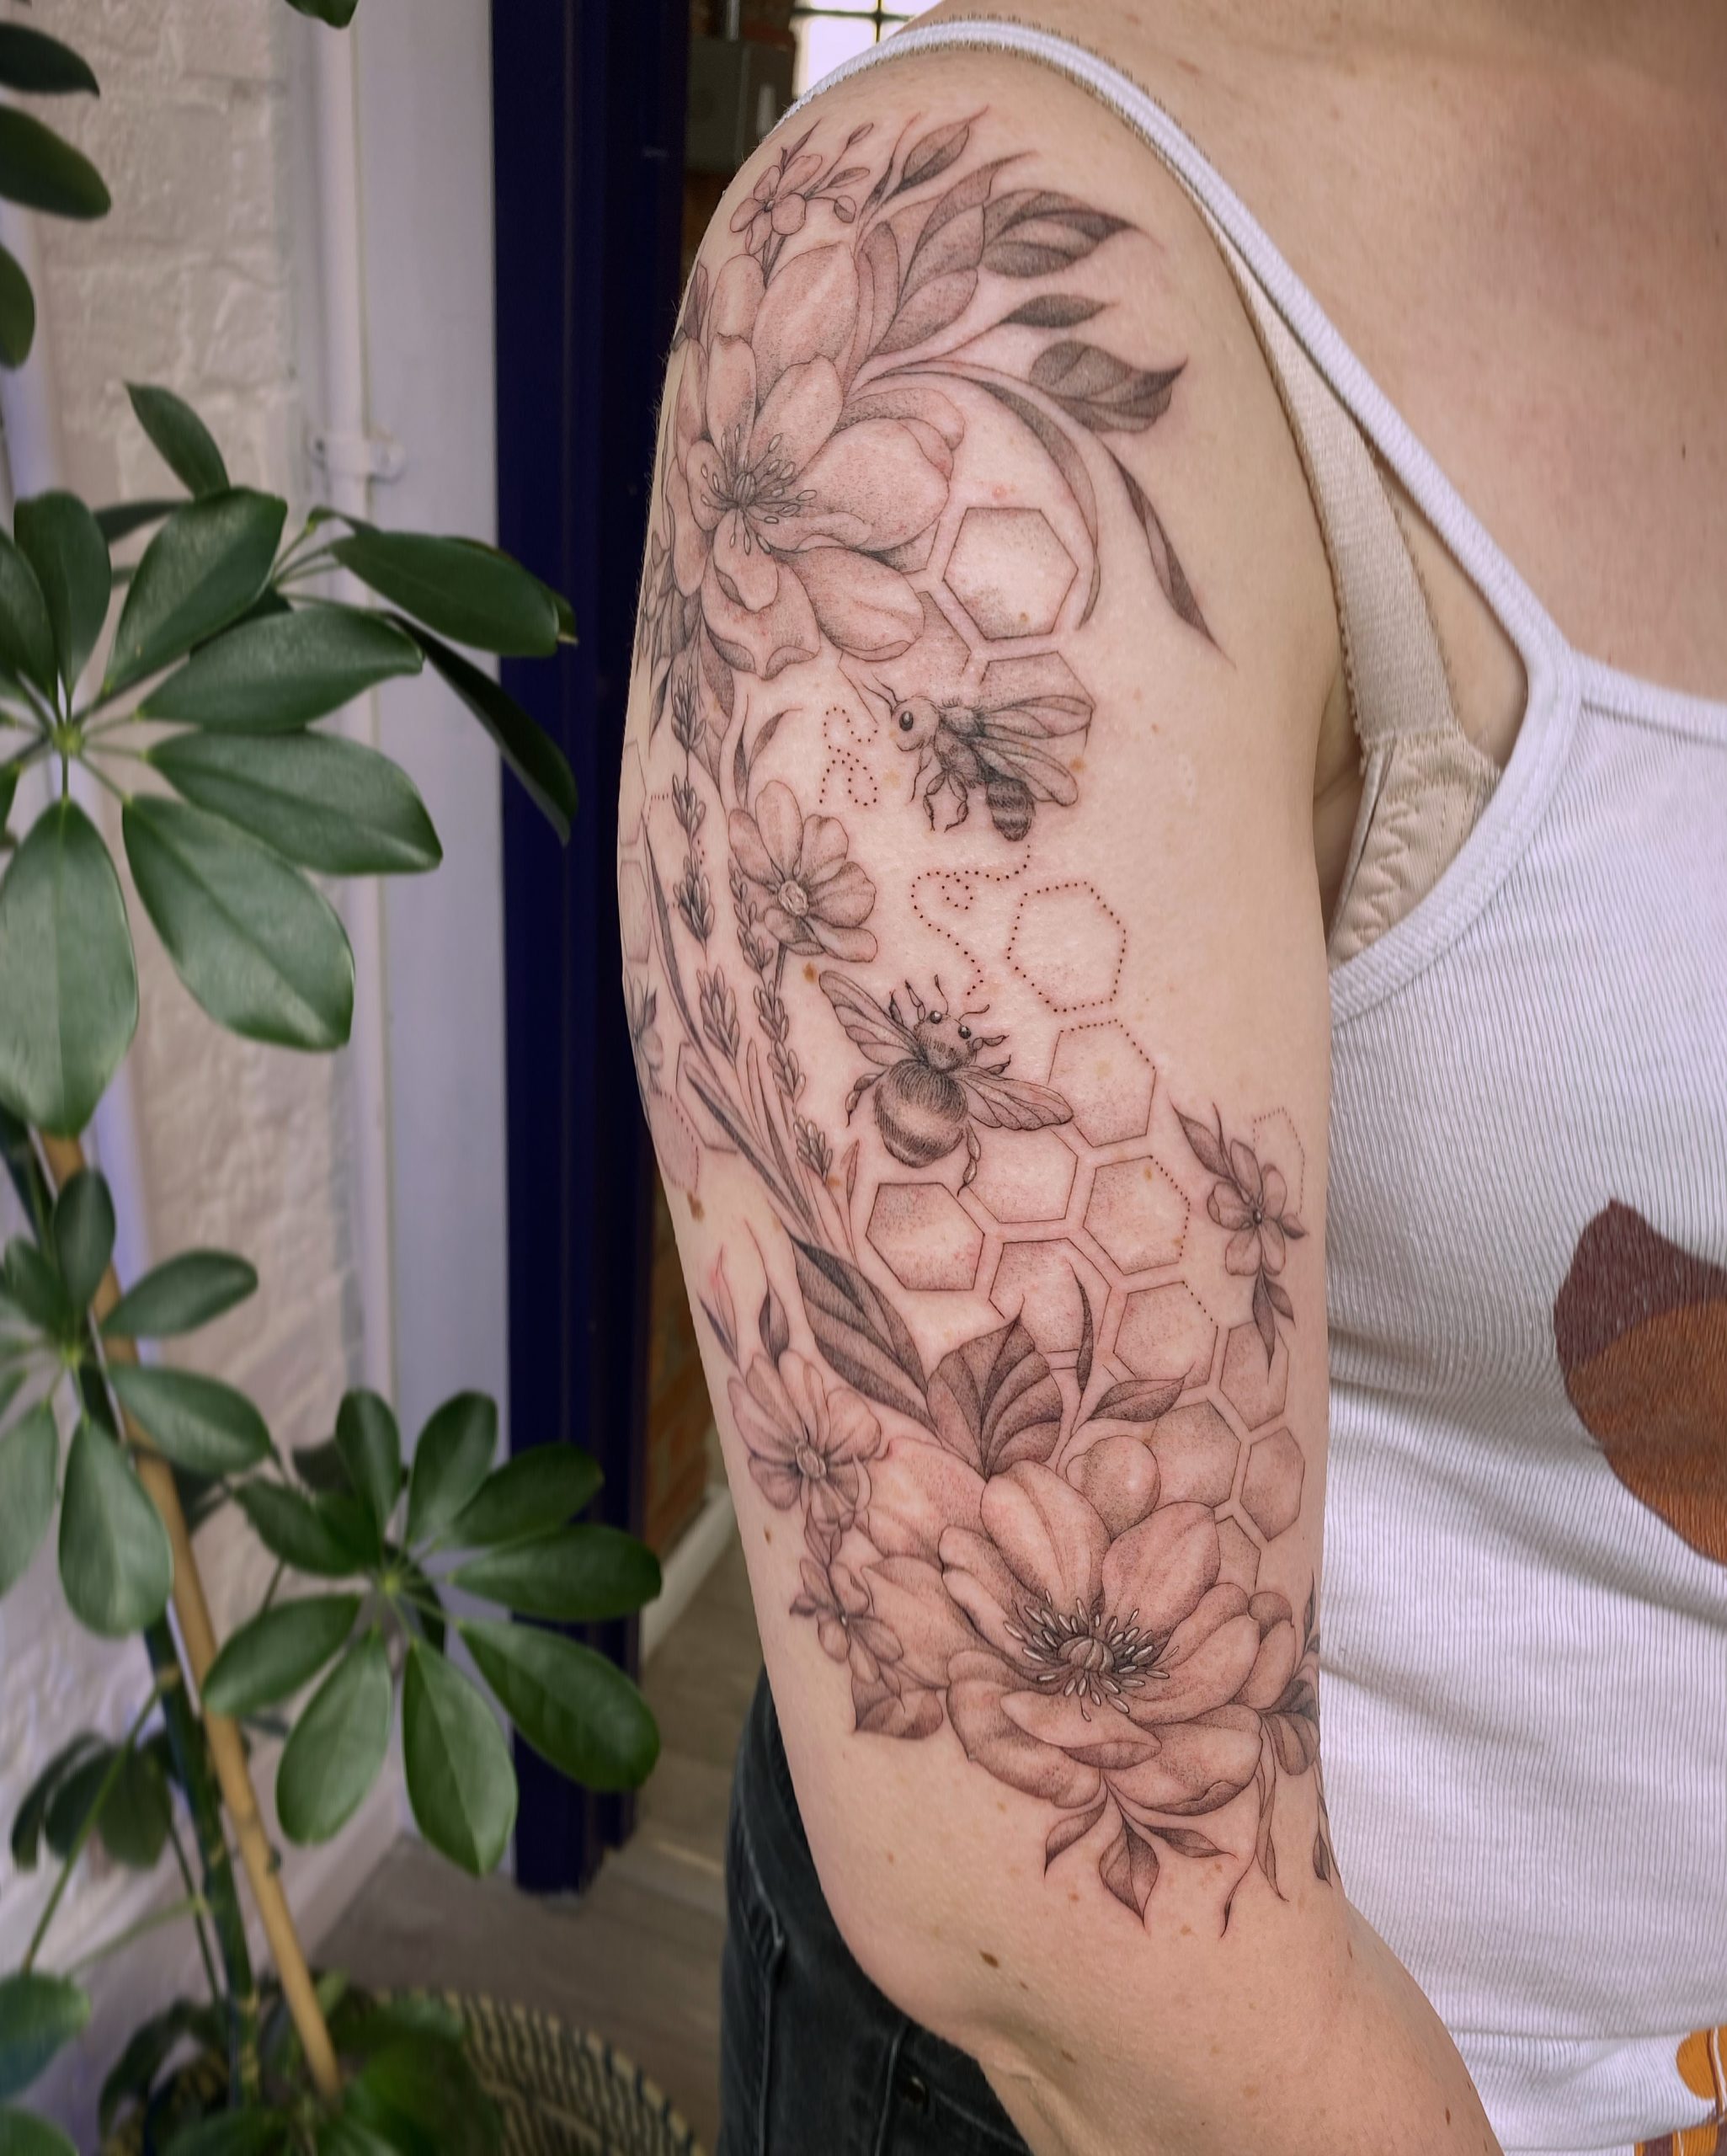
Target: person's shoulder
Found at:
976, 247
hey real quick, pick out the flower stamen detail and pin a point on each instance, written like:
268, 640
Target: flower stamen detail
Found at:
1084, 1653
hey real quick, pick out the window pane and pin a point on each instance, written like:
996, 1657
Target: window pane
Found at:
825, 42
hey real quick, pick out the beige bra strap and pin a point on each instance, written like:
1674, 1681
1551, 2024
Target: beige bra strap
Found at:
1393, 667
1425, 783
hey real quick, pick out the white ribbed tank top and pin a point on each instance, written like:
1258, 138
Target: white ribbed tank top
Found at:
1525, 1677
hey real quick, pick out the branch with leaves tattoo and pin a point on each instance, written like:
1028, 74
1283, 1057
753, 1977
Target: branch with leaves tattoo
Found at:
1250, 1200
813, 422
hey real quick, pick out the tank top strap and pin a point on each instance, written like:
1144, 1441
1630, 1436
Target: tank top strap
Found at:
1393, 667
1343, 426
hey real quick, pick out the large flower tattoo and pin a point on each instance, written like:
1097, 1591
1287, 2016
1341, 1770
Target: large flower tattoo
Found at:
785, 494
1107, 1650
809, 896
807, 1444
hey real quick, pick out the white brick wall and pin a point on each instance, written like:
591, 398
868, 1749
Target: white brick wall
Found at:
190, 282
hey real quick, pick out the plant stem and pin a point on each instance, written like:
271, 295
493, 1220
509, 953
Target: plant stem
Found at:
111, 724
65, 1157
198, 1925
317, 563
426, 1608
86, 1827
193, 1906
221, 1894
184, 1735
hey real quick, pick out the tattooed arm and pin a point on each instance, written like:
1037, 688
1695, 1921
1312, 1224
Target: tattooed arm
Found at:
975, 970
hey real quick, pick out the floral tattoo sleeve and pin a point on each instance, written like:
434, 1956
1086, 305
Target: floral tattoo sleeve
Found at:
1045, 1546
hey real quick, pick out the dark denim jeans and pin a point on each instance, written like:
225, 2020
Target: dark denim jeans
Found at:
813, 2060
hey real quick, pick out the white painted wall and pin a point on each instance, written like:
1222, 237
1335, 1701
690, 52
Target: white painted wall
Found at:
205, 278
425, 125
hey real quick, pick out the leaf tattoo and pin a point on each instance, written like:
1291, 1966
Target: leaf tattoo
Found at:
1052, 311
1036, 233
995, 1400
1129, 1869
861, 1335
1139, 1400
1102, 392
931, 155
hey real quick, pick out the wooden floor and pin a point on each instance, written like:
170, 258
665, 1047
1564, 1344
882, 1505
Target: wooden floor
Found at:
637, 1958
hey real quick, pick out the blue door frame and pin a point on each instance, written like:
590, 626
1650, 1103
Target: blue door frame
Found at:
587, 107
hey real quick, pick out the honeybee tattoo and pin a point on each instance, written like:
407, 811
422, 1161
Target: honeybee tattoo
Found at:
999, 747
929, 1087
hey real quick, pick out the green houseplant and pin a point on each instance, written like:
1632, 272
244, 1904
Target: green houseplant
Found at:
198, 711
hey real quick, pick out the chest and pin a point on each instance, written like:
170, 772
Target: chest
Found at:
1531, 260
1561, 1052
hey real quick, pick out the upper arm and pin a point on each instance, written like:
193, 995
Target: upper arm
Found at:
984, 637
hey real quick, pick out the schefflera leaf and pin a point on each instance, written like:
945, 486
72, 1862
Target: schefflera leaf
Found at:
115, 1563
21, 2133
82, 1234
578, 1710
337, 1747
450, 1463
197, 1421
369, 1445
18, 323
42, 170
524, 745
180, 1295
278, 674
180, 438
332, 1536
578, 1575
68, 982
460, 1780
29, 1457
532, 1494
261, 950
474, 595
38, 2015
64, 545
26, 632
320, 802
203, 570
268, 1659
